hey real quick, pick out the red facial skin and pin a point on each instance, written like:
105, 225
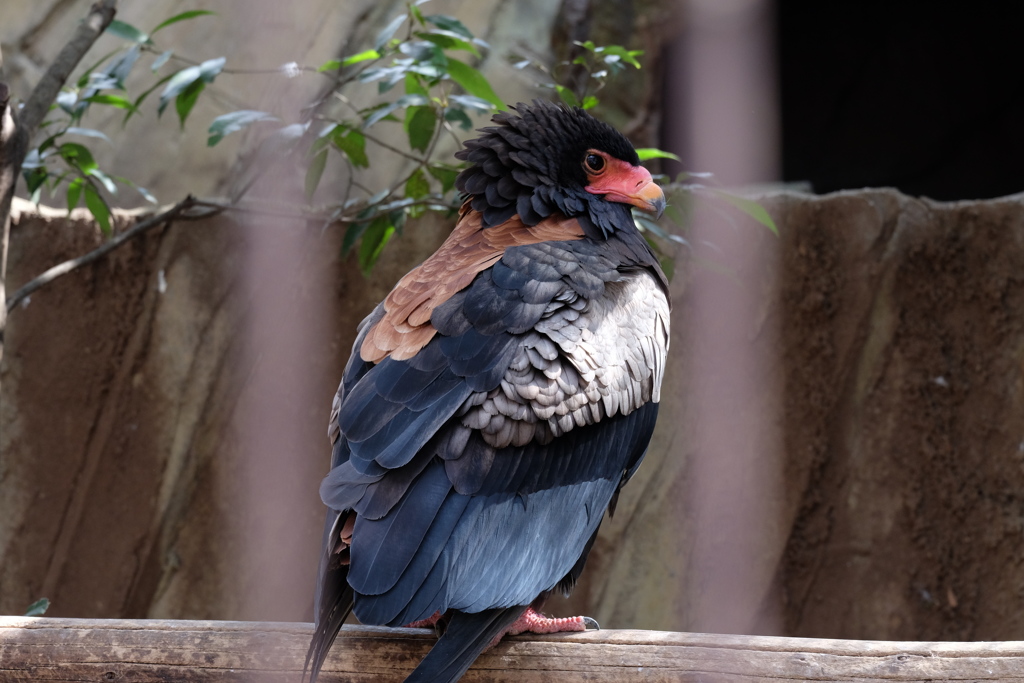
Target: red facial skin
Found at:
620, 181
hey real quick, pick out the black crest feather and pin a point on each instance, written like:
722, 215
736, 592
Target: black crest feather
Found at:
530, 164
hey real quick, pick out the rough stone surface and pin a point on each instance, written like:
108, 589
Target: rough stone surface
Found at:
904, 417
901, 343
121, 485
898, 368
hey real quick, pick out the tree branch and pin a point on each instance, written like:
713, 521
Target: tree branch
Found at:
13, 148
62, 269
17, 128
46, 91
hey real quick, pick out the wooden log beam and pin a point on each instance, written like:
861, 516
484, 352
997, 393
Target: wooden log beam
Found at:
41, 649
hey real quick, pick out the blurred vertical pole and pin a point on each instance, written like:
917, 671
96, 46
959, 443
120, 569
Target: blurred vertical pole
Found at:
728, 89
281, 419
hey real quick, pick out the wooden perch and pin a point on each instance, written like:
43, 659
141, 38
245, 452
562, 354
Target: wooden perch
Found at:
40, 649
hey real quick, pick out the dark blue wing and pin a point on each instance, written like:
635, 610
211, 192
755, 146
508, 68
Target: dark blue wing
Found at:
444, 520
519, 535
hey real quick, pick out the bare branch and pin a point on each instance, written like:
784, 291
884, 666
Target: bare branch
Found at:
61, 269
13, 147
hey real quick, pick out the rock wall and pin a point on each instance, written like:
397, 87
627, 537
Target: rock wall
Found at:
888, 483
889, 507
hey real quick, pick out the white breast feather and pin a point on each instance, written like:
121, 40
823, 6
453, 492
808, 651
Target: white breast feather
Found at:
585, 361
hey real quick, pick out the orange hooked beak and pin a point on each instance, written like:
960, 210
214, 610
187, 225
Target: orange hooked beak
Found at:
628, 184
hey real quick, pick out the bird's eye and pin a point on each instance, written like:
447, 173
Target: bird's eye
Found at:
594, 163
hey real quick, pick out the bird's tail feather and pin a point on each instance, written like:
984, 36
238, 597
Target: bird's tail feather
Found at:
466, 637
335, 606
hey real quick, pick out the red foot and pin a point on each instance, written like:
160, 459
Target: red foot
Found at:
425, 623
533, 621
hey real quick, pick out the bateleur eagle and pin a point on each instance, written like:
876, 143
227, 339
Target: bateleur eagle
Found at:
499, 397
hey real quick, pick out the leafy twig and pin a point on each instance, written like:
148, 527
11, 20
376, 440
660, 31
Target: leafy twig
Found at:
100, 16
16, 129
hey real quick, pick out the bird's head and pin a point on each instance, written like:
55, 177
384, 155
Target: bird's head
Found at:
545, 158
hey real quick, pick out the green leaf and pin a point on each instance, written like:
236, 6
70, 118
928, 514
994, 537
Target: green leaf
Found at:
417, 187
473, 82
187, 99
446, 176
589, 102
86, 132
144, 95
374, 240
450, 24
417, 14
146, 194
458, 116
749, 207
161, 60
414, 86
74, 192
186, 78
615, 53
34, 178
209, 69
83, 80
98, 208
449, 41
177, 85
120, 69
38, 608
471, 102
335, 64
420, 123
127, 31
114, 101
353, 144
315, 172
646, 153
233, 122
403, 101
78, 156
352, 233
192, 14
384, 36
568, 96
67, 100
105, 179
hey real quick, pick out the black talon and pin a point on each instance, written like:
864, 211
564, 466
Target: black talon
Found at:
591, 624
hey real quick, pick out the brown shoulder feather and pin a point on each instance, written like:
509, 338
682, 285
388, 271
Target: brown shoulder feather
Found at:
470, 249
